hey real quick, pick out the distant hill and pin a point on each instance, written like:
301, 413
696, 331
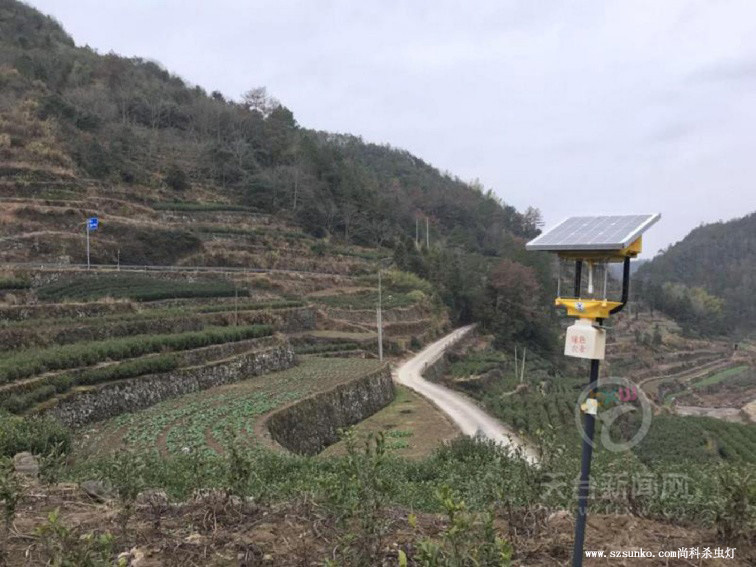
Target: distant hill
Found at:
616, 269
707, 280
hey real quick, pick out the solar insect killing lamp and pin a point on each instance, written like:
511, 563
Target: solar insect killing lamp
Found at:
591, 242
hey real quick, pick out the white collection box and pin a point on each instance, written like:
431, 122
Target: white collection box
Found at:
585, 340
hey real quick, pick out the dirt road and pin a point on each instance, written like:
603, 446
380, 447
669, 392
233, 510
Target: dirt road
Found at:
470, 418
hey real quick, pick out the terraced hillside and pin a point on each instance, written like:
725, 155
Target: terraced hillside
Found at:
229, 234
144, 233
689, 376
69, 332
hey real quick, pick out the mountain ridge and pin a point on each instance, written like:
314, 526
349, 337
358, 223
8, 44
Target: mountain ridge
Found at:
706, 280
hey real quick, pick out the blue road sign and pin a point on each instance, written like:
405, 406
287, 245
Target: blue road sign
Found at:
93, 223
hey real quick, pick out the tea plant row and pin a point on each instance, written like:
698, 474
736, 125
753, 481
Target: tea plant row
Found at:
29, 362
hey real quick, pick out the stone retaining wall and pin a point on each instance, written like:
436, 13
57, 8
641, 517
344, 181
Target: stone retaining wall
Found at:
435, 371
310, 425
367, 316
48, 276
84, 406
192, 357
199, 356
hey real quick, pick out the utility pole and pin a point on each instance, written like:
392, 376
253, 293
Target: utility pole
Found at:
515, 363
522, 374
380, 319
427, 234
296, 187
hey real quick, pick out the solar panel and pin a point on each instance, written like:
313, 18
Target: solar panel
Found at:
609, 232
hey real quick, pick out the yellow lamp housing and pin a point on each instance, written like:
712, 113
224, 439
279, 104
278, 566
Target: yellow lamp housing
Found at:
587, 308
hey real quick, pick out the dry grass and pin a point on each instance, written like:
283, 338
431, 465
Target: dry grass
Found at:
413, 426
212, 530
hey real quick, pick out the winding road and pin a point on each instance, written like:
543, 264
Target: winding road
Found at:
468, 416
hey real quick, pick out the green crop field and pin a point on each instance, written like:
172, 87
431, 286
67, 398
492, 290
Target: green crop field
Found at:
672, 439
135, 286
721, 376
207, 421
367, 300
480, 362
676, 439
244, 306
318, 348
201, 207
548, 403
153, 313
14, 283
263, 233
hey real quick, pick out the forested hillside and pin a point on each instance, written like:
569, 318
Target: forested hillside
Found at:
130, 122
707, 280
78, 128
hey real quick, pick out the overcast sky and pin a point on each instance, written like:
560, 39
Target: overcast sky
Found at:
573, 107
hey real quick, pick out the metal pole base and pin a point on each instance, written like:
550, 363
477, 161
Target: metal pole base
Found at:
585, 473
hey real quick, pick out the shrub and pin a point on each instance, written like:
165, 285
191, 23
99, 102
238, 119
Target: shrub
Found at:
176, 179
36, 435
417, 296
14, 283
10, 491
65, 546
51, 464
17, 403
93, 157
319, 248
128, 480
406, 281
469, 539
364, 496
735, 505
239, 469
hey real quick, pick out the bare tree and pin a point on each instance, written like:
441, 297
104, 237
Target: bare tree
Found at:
349, 214
330, 211
240, 149
257, 99
157, 105
533, 218
378, 230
